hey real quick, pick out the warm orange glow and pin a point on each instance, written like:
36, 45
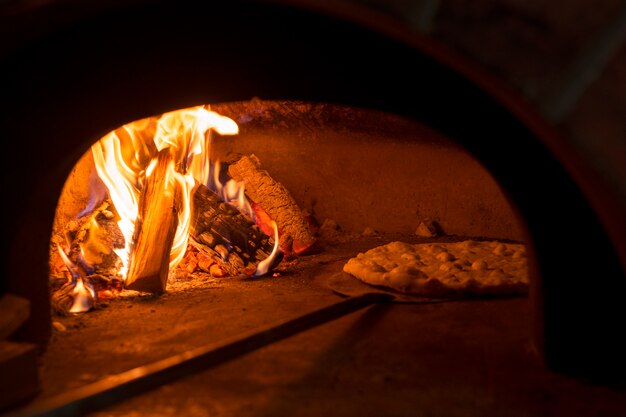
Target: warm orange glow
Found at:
95, 245
188, 133
232, 192
122, 181
125, 157
185, 184
83, 293
264, 266
69, 264
84, 296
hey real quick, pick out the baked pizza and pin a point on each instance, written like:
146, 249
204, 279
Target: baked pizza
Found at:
444, 269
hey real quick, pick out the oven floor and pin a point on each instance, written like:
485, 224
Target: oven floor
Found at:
456, 359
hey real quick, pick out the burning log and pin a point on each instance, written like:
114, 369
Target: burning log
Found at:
89, 243
155, 229
78, 296
276, 201
231, 240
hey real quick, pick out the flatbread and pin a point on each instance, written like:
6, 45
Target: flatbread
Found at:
443, 269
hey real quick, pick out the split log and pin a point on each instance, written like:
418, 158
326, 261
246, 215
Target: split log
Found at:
231, 239
14, 311
276, 201
155, 229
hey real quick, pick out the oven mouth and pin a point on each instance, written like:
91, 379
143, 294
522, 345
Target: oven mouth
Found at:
296, 177
91, 94
366, 178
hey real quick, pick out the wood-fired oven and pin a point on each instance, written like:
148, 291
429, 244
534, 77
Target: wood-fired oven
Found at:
72, 73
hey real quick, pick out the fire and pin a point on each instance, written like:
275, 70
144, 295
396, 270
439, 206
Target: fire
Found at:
232, 192
125, 157
84, 296
122, 181
94, 246
265, 264
69, 264
83, 293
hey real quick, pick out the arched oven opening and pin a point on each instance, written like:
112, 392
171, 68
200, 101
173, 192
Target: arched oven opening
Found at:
66, 88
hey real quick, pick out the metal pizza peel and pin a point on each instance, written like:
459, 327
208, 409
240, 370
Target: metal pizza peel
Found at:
356, 296
346, 285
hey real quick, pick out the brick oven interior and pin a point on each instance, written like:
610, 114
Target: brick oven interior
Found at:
373, 151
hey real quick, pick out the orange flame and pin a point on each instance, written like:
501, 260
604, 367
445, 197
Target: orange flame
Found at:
125, 157
232, 192
122, 182
69, 264
84, 296
187, 133
94, 247
83, 292
263, 267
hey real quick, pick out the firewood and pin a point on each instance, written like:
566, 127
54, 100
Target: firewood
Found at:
154, 231
62, 299
226, 236
88, 240
19, 377
14, 311
276, 201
